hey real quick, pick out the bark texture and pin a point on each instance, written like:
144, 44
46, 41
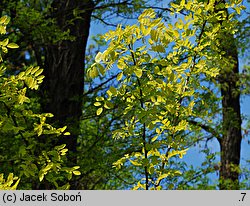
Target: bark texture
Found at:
231, 138
64, 67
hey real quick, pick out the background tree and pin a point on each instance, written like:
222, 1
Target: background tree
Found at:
229, 84
230, 91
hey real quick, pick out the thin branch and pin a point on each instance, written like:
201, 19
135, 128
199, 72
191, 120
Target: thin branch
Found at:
144, 125
99, 138
126, 182
157, 7
206, 128
163, 165
194, 60
104, 22
112, 5
99, 86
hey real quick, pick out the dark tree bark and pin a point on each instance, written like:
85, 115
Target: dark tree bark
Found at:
64, 68
231, 138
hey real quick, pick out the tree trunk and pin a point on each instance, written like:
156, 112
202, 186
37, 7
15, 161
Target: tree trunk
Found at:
231, 138
64, 68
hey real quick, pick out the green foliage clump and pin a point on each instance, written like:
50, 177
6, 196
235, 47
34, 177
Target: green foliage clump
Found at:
25, 147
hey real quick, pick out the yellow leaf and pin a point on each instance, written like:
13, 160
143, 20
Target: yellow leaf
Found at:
119, 76
154, 138
113, 90
135, 163
5, 42
151, 170
76, 172
159, 98
183, 152
5, 50
12, 46
41, 176
97, 104
182, 3
138, 73
34, 70
63, 129
161, 177
63, 151
99, 111
99, 98
38, 72
93, 72
4, 20
60, 147
15, 185
237, 9
158, 131
98, 57
153, 99
176, 34
108, 105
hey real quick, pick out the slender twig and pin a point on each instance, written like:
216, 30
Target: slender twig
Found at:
194, 61
163, 165
112, 5
206, 128
144, 125
105, 22
123, 180
99, 86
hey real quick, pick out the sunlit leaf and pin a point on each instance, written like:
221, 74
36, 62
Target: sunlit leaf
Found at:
138, 72
12, 46
99, 111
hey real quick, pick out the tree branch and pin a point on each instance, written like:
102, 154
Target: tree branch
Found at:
99, 86
112, 5
144, 125
103, 21
206, 128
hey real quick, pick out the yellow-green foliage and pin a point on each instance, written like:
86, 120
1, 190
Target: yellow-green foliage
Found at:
160, 66
9, 184
20, 129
